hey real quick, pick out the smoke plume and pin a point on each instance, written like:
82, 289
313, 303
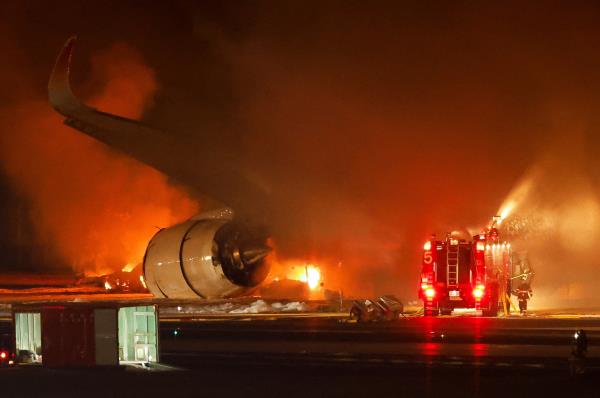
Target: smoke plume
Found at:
96, 208
373, 124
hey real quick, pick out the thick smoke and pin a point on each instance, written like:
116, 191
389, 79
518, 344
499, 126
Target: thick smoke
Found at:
96, 208
374, 125
380, 125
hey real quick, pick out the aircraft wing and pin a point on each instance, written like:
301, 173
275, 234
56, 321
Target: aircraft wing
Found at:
211, 176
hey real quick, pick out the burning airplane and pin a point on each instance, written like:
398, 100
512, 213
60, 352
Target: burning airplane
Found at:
217, 254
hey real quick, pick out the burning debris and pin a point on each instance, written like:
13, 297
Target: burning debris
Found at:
131, 281
309, 274
290, 278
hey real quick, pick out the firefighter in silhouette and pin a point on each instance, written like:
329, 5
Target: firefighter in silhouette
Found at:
524, 293
521, 283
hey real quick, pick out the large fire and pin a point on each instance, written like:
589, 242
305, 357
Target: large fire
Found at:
300, 270
308, 273
96, 208
129, 267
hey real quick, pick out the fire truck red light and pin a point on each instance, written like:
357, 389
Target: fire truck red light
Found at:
427, 246
2, 355
429, 292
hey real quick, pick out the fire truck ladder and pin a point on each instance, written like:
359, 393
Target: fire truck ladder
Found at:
452, 262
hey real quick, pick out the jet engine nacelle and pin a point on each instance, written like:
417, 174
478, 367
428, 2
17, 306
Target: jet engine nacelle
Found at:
209, 256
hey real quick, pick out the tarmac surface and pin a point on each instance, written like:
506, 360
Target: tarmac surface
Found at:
535, 342
308, 354
327, 357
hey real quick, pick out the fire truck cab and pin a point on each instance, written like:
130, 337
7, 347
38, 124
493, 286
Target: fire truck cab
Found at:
457, 273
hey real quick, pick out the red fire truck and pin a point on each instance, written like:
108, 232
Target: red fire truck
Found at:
458, 273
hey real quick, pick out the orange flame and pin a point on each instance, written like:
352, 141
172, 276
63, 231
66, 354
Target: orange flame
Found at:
309, 274
128, 267
312, 276
97, 209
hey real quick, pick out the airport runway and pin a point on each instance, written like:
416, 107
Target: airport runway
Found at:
415, 356
534, 342
321, 356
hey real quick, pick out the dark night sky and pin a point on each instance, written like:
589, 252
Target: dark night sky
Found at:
373, 124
